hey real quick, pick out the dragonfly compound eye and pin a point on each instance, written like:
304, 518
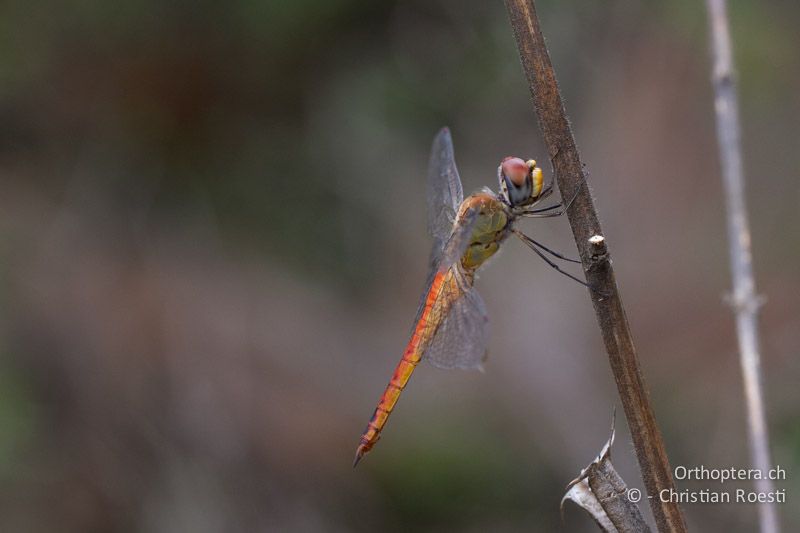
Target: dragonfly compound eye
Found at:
516, 180
515, 171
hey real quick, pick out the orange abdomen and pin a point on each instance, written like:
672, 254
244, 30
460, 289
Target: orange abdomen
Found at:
424, 330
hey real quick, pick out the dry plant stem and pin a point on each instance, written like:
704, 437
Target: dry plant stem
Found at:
596, 263
611, 491
745, 301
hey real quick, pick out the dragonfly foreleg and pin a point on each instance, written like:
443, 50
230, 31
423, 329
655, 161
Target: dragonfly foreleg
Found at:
530, 243
541, 213
542, 210
538, 213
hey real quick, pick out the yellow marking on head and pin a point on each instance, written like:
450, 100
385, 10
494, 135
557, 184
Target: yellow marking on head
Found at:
537, 178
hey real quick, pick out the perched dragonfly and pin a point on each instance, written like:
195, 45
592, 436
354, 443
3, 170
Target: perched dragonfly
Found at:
451, 326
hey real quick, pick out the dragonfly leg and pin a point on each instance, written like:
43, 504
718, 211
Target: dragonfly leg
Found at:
542, 210
533, 246
552, 252
541, 213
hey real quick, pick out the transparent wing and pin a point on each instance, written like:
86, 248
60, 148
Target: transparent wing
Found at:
444, 189
449, 253
461, 339
445, 194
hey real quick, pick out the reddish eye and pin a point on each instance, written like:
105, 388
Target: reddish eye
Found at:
515, 170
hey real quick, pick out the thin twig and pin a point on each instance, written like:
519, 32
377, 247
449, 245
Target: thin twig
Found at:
745, 301
596, 262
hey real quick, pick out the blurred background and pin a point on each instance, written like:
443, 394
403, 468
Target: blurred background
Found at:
213, 240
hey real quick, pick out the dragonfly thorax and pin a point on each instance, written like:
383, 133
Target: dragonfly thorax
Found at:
520, 181
490, 228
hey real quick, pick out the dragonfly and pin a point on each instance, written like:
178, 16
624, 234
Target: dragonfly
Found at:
451, 326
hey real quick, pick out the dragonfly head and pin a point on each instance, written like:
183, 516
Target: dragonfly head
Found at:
520, 181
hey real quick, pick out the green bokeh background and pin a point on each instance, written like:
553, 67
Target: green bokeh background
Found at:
212, 242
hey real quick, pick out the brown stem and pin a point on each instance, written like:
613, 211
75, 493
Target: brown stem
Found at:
596, 262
